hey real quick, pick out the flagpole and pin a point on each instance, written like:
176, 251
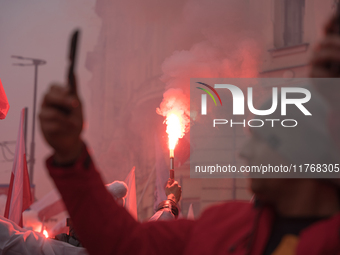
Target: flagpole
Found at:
35, 62
25, 128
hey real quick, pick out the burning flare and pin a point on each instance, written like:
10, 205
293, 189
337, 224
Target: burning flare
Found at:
174, 131
175, 107
45, 233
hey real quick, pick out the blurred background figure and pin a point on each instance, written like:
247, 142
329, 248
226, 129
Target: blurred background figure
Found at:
298, 205
16, 240
325, 63
118, 190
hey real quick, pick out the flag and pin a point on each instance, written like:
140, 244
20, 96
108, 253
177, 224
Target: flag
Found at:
190, 215
19, 196
162, 174
4, 106
131, 200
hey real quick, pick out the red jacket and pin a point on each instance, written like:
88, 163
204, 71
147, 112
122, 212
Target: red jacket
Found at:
229, 228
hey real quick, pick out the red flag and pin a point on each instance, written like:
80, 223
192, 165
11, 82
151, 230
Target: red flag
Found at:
19, 193
4, 106
131, 200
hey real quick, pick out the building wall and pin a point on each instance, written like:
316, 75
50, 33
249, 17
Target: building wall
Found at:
292, 61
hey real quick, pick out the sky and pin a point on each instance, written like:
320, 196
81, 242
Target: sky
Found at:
39, 29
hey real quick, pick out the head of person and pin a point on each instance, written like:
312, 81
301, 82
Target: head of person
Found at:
325, 64
118, 190
309, 142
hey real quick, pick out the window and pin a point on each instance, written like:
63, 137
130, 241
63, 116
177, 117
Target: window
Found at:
288, 22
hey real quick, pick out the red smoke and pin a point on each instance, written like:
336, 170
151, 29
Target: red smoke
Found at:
227, 48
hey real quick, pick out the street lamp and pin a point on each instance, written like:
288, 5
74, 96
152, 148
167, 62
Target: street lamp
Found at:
35, 62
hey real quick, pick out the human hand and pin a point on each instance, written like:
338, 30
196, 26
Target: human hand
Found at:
173, 190
61, 122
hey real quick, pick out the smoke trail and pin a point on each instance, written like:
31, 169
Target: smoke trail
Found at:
228, 48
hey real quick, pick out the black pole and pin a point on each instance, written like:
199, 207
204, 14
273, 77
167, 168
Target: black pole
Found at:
25, 128
32, 159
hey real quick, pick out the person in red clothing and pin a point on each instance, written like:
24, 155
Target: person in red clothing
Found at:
290, 216
325, 64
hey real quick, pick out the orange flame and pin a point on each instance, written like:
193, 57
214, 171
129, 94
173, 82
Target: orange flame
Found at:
175, 130
45, 233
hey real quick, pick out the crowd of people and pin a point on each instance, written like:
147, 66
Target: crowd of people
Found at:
23, 241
